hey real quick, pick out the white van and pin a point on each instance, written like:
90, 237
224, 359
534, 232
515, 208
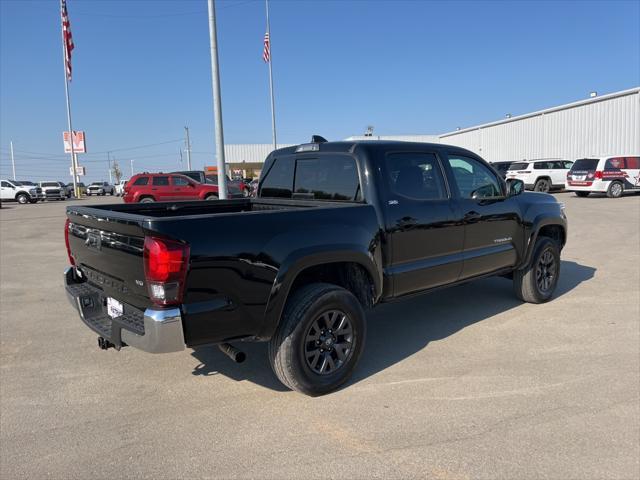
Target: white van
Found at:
611, 175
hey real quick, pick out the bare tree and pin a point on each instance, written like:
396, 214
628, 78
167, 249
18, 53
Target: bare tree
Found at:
117, 173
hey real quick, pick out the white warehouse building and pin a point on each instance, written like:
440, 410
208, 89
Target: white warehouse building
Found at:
598, 126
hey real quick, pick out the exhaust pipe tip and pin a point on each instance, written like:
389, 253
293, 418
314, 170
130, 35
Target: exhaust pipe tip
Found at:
232, 352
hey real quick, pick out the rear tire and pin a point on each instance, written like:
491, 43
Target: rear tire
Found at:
615, 190
582, 194
211, 197
319, 340
542, 185
538, 280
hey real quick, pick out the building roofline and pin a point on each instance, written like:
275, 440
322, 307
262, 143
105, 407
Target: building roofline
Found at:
602, 98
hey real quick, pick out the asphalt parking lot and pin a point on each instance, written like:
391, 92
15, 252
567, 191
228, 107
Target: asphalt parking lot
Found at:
464, 383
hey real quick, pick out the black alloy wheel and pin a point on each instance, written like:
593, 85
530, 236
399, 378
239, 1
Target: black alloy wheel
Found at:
328, 343
546, 271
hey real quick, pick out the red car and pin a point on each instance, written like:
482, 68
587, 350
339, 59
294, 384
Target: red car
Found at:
163, 187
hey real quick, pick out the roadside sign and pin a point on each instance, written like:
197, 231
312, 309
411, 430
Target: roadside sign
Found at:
80, 171
79, 145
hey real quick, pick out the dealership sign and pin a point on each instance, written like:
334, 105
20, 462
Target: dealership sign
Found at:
79, 145
79, 171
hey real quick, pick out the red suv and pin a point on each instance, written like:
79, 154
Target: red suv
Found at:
163, 187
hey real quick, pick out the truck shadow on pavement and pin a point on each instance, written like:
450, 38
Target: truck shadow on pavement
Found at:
397, 330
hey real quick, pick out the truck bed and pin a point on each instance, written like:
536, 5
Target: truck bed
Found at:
238, 248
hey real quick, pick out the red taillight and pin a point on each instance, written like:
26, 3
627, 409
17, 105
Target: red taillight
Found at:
165, 269
67, 224
598, 174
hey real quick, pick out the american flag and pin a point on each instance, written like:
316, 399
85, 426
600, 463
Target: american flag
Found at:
266, 53
66, 37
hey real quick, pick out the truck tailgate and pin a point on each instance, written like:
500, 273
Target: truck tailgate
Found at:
107, 247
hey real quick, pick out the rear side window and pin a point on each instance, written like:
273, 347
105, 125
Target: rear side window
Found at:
633, 163
585, 164
519, 166
614, 163
415, 175
543, 165
329, 177
180, 181
161, 181
141, 181
279, 180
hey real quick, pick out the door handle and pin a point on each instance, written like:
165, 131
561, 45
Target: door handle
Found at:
472, 216
406, 223
154, 189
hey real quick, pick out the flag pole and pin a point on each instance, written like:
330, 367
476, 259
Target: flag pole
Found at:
66, 92
273, 108
217, 102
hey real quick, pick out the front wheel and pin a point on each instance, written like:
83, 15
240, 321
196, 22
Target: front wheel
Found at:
615, 190
537, 281
542, 185
146, 200
211, 197
319, 340
22, 198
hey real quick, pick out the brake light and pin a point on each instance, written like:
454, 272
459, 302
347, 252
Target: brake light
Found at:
165, 269
67, 225
598, 174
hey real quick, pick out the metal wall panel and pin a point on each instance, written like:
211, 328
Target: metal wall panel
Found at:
600, 126
249, 152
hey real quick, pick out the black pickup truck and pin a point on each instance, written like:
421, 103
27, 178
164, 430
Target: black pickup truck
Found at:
337, 228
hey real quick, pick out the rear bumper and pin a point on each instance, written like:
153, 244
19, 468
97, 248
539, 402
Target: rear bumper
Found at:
153, 331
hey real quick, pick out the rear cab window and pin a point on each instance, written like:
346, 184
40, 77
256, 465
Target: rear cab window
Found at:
331, 177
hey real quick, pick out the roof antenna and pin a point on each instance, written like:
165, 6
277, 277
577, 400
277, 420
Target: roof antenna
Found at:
318, 139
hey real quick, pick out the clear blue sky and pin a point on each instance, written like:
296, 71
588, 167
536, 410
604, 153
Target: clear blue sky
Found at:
142, 71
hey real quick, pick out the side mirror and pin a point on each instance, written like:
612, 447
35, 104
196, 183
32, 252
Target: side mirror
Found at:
515, 187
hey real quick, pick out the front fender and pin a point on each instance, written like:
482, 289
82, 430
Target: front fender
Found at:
534, 228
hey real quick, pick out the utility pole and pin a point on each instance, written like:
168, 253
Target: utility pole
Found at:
109, 163
131, 167
186, 129
13, 162
217, 107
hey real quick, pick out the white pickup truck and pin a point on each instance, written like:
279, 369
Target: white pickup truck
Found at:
14, 191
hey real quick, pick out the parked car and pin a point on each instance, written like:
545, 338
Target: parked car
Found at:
81, 186
164, 187
234, 189
253, 187
501, 167
328, 242
13, 190
610, 175
68, 190
53, 190
120, 187
101, 188
541, 175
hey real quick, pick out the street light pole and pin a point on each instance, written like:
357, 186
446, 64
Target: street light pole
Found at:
13, 162
217, 107
109, 163
186, 129
131, 167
